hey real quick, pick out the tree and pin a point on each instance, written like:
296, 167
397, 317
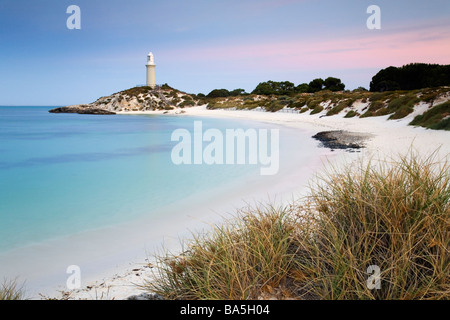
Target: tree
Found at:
285, 88
218, 93
411, 76
315, 85
274, 87
237, 92
333, 84
302, 88
265, 88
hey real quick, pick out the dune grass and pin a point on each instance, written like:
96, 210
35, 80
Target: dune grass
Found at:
238, 260
10, 290
394, 215
438, 117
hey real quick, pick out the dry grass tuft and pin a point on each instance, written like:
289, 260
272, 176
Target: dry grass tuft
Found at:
391, 214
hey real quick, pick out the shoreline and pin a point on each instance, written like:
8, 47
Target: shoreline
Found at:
107, 261
386, 138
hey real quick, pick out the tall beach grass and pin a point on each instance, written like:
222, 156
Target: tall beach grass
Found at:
394, 215
11, 290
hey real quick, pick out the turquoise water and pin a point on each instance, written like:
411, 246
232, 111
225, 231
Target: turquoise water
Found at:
61, 174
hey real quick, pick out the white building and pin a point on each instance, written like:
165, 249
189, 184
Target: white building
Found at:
151, 80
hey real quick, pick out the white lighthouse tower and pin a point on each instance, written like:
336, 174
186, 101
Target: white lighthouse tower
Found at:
151, 80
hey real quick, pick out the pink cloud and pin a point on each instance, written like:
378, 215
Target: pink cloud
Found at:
374, 49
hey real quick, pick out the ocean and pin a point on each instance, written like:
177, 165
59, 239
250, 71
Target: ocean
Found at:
63, 175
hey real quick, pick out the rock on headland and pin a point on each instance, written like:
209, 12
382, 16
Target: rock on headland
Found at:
135, 99
81, 109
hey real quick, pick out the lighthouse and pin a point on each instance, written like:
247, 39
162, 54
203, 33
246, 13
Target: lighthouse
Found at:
151, 80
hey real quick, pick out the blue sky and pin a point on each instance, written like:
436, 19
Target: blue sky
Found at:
200, 45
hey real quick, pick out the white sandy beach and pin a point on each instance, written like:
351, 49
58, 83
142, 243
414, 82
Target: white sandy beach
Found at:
388, 138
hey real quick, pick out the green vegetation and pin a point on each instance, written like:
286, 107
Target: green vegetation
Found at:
302, 88
304, 109
402, 106
391, 214
222, 93
276, 105
289, 88
438, 117
218, 93
238, 260
9, 290
340, 106
318, 108
350, 114
186, 103
333, 84
316, 96
411, 76
315, 85
397, 104
136, 91
275, 88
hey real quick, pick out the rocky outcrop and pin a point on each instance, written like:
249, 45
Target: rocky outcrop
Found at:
146, 296
81, 109
135, 99
339, 139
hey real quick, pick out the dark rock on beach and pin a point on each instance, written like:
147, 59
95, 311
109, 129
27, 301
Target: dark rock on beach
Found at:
81, 109
339, 139
146, 296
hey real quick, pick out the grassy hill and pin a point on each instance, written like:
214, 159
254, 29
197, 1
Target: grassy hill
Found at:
428, 107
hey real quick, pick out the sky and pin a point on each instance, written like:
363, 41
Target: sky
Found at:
200, 45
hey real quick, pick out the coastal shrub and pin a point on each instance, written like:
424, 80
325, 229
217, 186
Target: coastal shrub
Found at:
376, 108
186, 97
275, 106
218, 93
211, 105
393, 214
435, 118
313, 103
341, 106
402, 106
299, 103
304, 109
441, 125
221, 103
250, 104
360, 89
430, 95
317, 109
175, 101
351, 114
186, 103
379, 96
165, 86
